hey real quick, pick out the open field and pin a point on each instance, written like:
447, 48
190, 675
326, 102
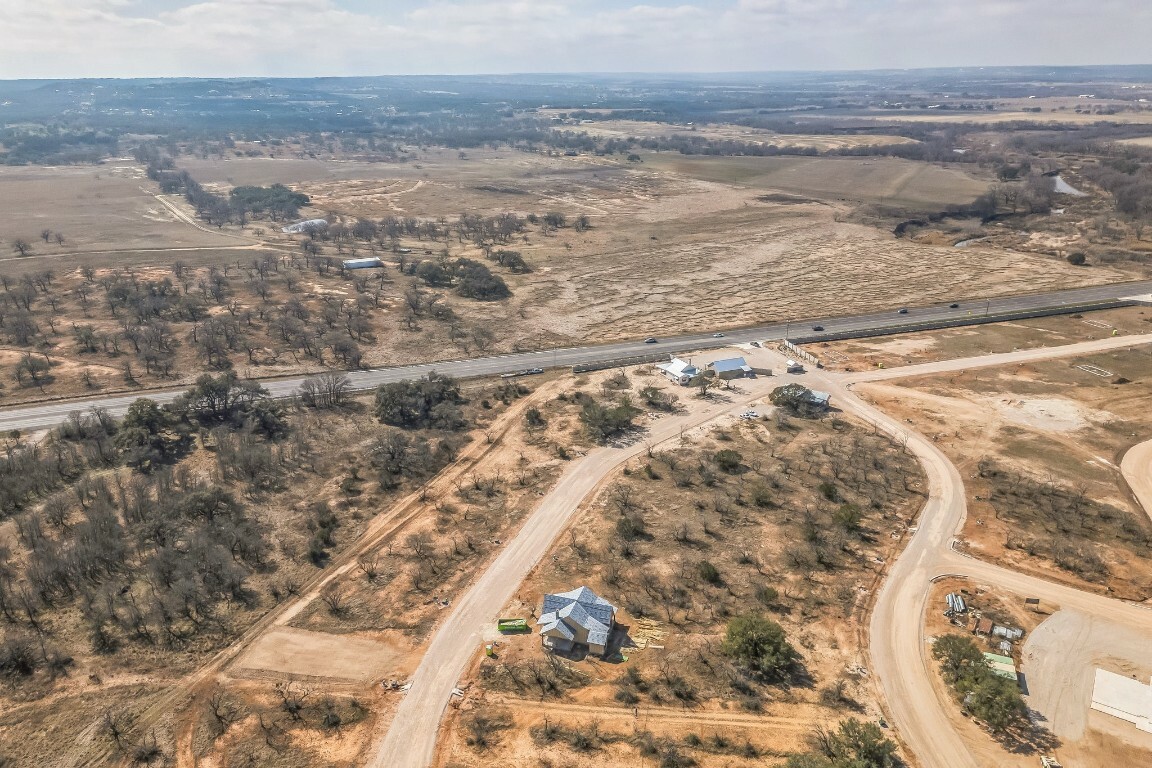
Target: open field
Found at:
110, 206
1143, 141
1042, 443
1068, 115
862, 179
623, 129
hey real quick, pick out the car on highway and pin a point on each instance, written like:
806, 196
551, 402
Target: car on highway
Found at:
903, 311
953, 306
650, 340
817, 327
717, 335
533, 371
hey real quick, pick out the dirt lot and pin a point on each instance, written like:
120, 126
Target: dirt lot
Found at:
972, 341
1039, 446
668, 682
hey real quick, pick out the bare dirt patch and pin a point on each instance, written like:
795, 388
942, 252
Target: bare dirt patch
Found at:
299, 653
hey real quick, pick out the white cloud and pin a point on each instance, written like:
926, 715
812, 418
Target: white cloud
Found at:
70, 38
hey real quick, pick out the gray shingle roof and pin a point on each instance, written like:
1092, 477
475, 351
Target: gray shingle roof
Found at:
581, 608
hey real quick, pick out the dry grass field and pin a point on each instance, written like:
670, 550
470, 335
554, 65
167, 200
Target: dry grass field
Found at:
676, 244
622, 129
111, 207
886, 180
1143, 141
1066, 115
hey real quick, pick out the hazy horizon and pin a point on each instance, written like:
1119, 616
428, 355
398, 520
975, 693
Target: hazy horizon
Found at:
55, 39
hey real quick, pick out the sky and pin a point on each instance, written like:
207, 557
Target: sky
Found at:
307, 38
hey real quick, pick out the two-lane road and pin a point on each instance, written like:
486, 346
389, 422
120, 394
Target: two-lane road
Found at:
42, 416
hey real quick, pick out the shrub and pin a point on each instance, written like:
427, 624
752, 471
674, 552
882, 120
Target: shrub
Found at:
708, 572
759, 644
728, 460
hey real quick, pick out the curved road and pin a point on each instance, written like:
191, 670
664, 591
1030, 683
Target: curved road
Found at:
42, 416
898, 650
1136, 467
897, 642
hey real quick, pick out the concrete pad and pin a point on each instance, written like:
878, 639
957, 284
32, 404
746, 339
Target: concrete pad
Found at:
1123, 697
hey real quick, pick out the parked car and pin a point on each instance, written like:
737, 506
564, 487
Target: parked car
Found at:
755, 343
650, 340
532, 371
817, 327
953, 306
903, 311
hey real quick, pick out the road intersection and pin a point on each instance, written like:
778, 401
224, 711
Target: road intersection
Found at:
898, 649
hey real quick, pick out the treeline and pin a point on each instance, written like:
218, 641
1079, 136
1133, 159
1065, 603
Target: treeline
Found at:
276, 202
56, 146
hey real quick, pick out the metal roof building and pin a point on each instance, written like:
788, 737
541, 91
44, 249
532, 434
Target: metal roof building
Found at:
731, 368
369, 263
579, 617
311, 225
1001, 665
679, 370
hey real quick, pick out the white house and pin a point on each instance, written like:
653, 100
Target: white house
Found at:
679, 371
579, 617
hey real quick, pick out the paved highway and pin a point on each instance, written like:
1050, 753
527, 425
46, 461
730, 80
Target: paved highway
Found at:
42, 416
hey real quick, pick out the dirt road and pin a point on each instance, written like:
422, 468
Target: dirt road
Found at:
1137, 470
411, 739
897, 643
